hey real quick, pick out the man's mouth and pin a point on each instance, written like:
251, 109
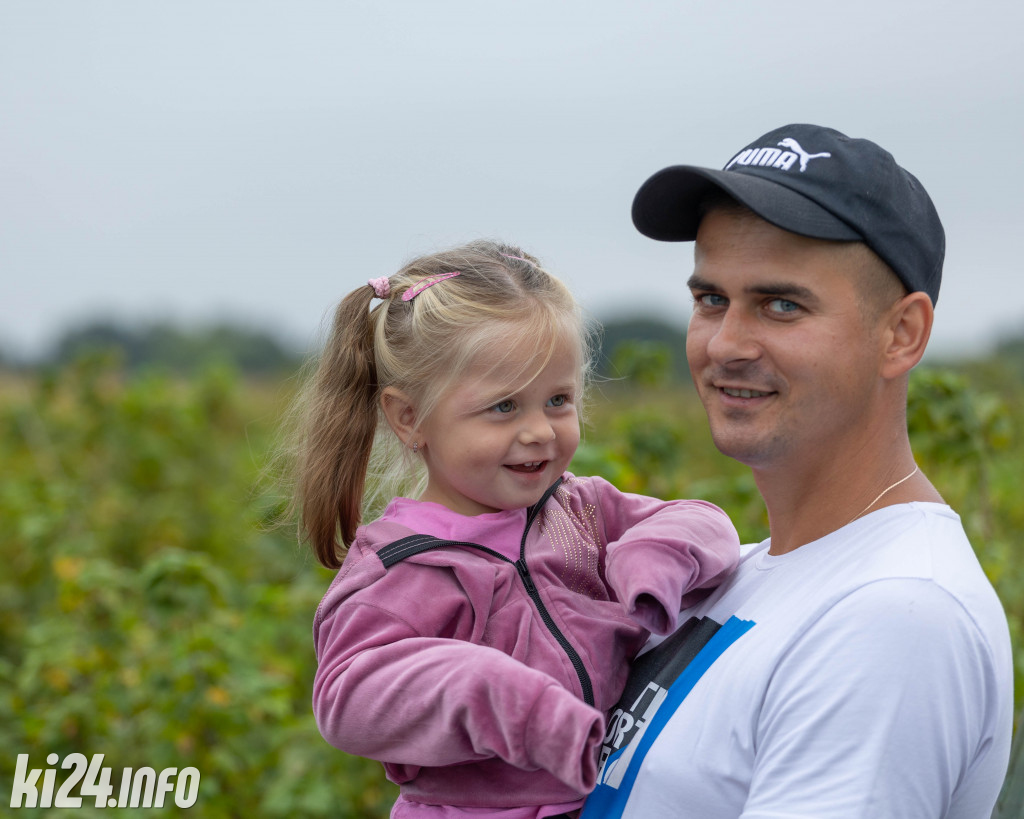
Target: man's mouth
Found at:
529, 466
742, 393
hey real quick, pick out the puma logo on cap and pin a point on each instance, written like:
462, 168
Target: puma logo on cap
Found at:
774, 158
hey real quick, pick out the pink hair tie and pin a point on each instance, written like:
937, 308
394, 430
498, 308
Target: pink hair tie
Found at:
423, 284
520, 258
381, 287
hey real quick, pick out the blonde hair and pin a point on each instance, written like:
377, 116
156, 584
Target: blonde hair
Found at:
420, 347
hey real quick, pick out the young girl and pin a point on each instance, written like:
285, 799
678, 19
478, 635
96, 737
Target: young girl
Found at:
475, 635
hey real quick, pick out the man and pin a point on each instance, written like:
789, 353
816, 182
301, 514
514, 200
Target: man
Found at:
858, 663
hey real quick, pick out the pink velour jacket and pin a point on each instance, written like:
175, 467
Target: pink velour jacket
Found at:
443, 667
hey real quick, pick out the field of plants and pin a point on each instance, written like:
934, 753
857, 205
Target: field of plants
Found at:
155, 609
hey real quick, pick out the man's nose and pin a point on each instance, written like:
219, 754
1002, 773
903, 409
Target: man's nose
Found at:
734, 338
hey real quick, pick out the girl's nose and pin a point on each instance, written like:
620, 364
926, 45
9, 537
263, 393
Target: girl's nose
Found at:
536, 429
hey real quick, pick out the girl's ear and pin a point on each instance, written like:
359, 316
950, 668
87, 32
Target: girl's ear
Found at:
400, 413
908, 329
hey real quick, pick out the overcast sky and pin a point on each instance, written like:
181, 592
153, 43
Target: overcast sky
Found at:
255, 161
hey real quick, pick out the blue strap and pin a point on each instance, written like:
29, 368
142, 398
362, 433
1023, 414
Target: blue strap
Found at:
609, 801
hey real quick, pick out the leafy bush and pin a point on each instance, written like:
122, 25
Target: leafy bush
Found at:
152, 610
147, 612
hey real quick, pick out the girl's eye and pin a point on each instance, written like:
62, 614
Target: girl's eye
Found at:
558, 400
783, 306
505, 406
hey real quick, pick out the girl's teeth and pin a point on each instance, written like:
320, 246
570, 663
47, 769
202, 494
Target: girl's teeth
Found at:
532, 466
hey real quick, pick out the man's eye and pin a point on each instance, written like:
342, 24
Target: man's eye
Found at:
505, 406
710, 300
783, 306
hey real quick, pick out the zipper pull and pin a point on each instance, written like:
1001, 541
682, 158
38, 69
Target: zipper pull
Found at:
524, 573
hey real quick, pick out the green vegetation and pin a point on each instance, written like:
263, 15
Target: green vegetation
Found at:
247, 350
154, 609
149, 610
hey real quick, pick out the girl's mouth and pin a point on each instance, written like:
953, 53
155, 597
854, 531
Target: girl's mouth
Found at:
529, 466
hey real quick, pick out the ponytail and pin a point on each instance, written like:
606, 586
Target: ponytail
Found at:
339, 427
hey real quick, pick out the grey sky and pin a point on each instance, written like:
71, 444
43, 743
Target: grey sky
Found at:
256, 161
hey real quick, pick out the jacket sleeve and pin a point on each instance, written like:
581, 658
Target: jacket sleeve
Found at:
662, 556
386, 690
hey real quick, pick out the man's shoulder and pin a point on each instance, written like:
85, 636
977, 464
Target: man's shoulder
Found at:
927, 541
897, 546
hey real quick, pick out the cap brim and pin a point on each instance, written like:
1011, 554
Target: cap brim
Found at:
667, 206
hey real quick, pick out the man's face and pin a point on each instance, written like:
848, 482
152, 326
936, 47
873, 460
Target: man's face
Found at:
783, 358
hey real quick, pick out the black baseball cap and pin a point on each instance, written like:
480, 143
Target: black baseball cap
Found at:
816, 182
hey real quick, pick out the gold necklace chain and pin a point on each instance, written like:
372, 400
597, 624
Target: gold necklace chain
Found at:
882, 493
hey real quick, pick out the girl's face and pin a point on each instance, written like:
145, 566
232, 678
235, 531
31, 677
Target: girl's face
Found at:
487, 449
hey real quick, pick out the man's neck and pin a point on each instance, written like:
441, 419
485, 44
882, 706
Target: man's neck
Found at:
808, 501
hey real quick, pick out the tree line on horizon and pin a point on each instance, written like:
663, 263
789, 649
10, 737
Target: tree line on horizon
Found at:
649, 344
638, 348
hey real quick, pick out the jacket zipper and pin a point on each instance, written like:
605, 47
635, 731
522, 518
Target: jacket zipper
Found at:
573, 655
523, 569
531, 589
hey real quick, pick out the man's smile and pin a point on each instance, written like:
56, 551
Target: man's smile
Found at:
743, 393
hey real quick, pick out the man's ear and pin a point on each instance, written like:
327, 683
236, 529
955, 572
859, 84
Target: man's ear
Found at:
399, 412
908, 328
